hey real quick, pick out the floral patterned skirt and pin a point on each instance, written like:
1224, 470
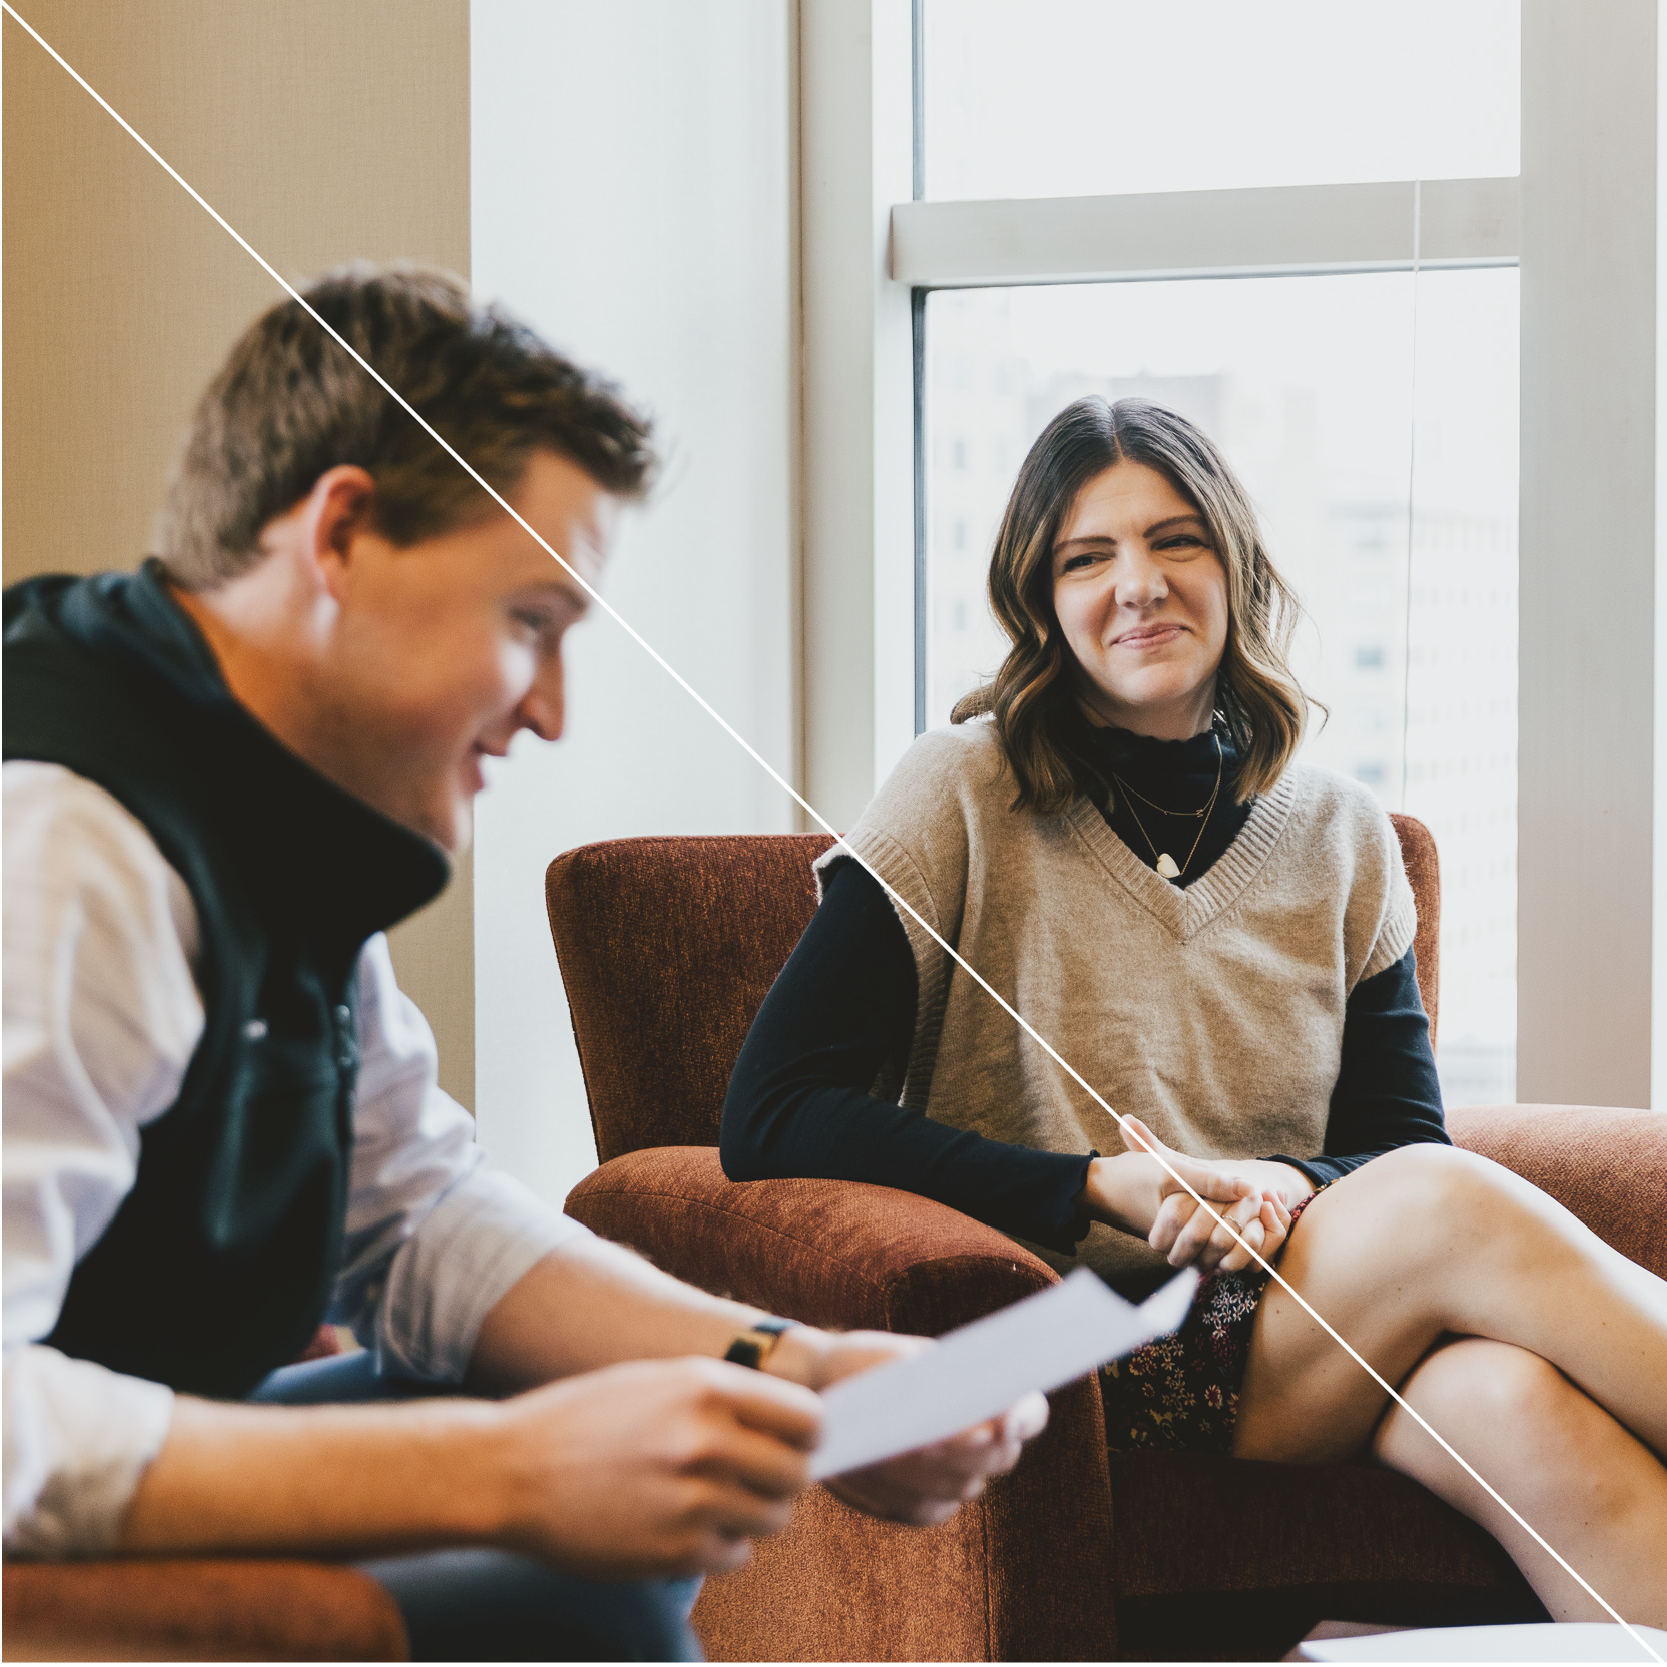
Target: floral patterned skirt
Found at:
1181, 1393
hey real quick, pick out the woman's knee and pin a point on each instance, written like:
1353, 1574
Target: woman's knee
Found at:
1444, 1176
1441, 1201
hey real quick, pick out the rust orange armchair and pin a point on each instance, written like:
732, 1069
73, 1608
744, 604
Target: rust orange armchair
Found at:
667, 947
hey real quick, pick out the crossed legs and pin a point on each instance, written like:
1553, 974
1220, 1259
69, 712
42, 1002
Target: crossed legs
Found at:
1536, 1350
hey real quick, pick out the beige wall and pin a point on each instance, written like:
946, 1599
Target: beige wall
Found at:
323, 130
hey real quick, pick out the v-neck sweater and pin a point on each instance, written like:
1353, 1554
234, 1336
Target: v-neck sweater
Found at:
1215, 1012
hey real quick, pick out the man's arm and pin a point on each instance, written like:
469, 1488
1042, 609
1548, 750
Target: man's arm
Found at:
474, 1277
101, 1016
647, 1468
633, 1463
591, 1302
662, 1465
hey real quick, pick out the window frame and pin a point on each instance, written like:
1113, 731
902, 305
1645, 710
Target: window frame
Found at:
1582, 223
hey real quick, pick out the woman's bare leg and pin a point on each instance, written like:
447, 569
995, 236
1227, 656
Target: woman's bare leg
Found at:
1429, 1242
1590, 1487
1433, 1252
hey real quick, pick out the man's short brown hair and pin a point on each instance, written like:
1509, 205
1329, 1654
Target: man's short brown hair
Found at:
289, 404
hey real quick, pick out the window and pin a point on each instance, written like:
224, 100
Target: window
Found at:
1065, 98
1372, 414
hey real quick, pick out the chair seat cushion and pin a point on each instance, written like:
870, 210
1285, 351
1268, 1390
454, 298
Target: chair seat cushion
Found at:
1224, 1559
1235, 1524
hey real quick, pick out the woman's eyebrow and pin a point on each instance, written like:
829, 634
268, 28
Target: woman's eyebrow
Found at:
1173, 521
1157, 527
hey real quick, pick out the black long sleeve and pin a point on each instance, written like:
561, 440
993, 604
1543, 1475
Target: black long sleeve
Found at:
1387, 1093
841, 1011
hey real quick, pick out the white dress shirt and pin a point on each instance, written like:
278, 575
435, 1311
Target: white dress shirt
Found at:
102, 1014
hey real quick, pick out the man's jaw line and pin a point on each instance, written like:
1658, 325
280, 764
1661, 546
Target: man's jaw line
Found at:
809, 810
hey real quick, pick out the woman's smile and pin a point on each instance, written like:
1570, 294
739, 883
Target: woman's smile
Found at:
1156, 634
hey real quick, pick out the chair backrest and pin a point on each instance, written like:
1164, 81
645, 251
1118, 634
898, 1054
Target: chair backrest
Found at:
1424, 872
667, 950
668, 946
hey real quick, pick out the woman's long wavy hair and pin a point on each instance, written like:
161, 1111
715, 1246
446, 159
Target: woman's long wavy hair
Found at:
1261, 703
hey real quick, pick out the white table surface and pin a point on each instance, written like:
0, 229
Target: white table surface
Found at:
1568, 1641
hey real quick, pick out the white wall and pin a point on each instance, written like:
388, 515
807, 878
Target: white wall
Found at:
632, 172
1586, 701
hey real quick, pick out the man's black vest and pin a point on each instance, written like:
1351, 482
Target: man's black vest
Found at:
219, 1264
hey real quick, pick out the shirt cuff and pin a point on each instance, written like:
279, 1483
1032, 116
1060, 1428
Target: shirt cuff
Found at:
1322, 1171
476, 1243
1081, 1220
77, 1439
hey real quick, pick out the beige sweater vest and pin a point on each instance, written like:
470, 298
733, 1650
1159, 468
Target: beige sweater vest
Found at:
1215, 1014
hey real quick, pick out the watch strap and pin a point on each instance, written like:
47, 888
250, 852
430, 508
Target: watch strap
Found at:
755, 1345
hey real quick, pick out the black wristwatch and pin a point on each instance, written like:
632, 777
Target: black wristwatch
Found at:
756, 1344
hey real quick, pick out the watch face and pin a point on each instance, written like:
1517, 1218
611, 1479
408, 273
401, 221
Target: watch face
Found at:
753, 1345
746, 1350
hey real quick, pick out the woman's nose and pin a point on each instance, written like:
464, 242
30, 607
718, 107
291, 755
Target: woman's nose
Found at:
1140, 580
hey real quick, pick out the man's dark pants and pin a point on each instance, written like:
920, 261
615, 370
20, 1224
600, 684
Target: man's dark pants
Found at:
475, 1604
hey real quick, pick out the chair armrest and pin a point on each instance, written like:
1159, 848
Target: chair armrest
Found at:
831, 1253
198, 1609
1606, 1164
1022, 1572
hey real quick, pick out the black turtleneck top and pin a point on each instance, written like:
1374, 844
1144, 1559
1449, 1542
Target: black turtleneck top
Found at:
844, 1007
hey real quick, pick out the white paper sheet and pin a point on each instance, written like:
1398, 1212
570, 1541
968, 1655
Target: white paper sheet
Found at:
982, 1369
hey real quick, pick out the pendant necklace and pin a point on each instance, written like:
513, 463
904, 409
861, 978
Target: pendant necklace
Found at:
1165, 864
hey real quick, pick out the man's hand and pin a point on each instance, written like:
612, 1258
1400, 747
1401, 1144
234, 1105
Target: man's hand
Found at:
930, 1484
644, 1468
653, 1467
663, 1467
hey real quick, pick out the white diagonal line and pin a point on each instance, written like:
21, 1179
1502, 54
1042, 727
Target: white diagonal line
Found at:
809, 809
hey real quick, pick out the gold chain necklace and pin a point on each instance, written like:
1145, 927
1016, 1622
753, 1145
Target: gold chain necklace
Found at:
1165, 863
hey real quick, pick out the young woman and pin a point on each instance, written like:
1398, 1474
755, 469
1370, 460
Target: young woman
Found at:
1220, 940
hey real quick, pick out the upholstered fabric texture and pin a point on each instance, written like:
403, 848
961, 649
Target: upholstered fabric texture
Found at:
854, 1256
1424, 876
1052, 1573
191, 1610
1609, 1166
667, 947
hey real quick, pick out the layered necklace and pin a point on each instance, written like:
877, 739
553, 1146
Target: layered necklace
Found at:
1166, 864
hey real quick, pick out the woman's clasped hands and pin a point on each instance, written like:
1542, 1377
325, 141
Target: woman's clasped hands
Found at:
1144, 1190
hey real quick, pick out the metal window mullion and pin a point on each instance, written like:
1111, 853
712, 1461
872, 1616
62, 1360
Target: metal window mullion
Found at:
1274, 231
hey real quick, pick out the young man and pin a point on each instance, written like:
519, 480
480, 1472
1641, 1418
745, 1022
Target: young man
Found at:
225, 776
